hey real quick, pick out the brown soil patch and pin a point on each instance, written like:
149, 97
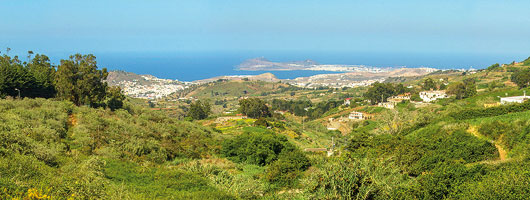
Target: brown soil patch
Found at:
72, 120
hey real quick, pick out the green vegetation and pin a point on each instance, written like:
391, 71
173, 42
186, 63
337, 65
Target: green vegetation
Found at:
526, 62
81, 152
34, 79
285, 161
90, 142
379, 92
464, 89
77, 80
521, 77
254, 108
428, 84
199, 110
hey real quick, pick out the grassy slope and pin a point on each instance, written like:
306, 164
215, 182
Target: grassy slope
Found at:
55, 149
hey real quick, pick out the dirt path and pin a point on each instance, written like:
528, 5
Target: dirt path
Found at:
72, 120
502, 152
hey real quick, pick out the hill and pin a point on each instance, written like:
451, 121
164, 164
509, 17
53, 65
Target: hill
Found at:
262, 64
55, 149
235, 88
144, 86
267, 77
459, 147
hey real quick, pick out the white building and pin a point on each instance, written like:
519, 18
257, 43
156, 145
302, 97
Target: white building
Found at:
347, 101
356, 115
428, 96
515, 99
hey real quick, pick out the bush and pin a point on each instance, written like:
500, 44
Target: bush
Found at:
286, 170
354, 179
256, 148
262, 122
495, 129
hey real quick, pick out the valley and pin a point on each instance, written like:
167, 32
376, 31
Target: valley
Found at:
413, 134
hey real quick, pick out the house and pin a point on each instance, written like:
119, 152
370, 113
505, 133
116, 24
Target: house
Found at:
356, 115
347, 101
515, 99
428, 96
399, 98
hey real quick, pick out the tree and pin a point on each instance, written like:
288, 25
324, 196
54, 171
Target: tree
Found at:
443, 86
44, 74
463, 89
521, 77
428, 84
259, 148
379, 92
401, 89
15, 80
254, 108
199, 110
79, 80
493, 67
114, 98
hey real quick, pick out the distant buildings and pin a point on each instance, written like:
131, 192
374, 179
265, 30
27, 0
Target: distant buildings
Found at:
150, 87
429, 96
356, 116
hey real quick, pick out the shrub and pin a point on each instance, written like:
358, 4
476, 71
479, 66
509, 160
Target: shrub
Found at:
354, 179
495, 129
286, 170
256, 148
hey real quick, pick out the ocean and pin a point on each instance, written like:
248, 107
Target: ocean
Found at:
190, 66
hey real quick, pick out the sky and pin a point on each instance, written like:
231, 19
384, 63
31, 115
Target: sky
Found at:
99, 26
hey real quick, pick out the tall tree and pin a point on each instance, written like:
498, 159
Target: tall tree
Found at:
44, 74
79, 80
379, 92
401, 89
199, 110
114, 98
254, 108
15, 80
428, 84
464, 89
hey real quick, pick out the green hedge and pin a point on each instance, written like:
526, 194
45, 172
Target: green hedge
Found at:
490, 112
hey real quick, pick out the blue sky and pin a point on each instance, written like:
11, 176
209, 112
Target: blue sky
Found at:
53, 26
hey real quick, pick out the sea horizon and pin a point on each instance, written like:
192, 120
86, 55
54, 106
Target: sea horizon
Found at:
198, 65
